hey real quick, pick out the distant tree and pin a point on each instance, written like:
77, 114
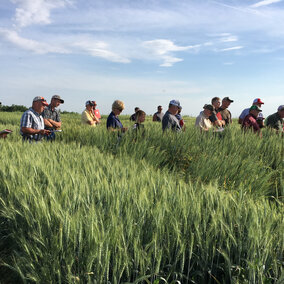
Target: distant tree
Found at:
12, 108
68, 112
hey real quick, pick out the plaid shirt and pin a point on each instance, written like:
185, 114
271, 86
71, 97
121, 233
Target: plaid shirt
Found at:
32, 119
48, 113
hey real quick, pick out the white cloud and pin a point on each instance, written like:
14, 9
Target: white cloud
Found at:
169, 61
229, 39
31, 12
29, 44
264, 3
163, 49
101, 49
232, 48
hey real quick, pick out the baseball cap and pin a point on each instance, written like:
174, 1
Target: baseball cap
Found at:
258, 101
58, 98
281, 107
42, 99
255, 108
89, 103
175, 103
209, 107
228, 99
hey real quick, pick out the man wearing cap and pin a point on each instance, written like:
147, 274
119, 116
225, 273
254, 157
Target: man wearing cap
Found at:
245, 112
225, 113
32, 123
275, 120
216, 117
88, 116
158, 116
169, 120
249, 121
202, 120
51, 115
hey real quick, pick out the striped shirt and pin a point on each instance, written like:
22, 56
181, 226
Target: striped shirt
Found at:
32, 119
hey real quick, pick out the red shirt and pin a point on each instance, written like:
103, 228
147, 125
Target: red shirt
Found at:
250, 121
97, 113
219, 116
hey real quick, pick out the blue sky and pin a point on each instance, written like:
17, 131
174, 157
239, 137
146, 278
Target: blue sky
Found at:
144, 53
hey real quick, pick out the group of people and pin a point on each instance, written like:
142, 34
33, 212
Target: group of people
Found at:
217, 116
42, 120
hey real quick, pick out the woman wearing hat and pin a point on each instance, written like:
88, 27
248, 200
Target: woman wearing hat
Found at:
88, 116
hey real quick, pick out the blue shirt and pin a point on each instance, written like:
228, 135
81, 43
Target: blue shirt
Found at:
113, 121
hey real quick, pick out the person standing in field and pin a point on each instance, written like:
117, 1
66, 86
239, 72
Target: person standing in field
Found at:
275, 121
158, 116
256, 102
113, 122
88, 117
169, 120
225, 113
216, 117
96, 111
250, 121
140, 118
32, 123
133, 116
51, 116
179, 117
203, 119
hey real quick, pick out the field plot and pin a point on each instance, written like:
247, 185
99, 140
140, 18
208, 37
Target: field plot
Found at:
152, 208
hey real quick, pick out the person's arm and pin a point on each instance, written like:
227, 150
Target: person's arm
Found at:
96, 120
31, 131
47, 123
53, 123
240, 121
155, 117
86, 118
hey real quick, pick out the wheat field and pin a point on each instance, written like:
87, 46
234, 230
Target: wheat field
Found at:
146, 208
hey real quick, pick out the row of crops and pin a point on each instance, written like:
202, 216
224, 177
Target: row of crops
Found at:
151, 208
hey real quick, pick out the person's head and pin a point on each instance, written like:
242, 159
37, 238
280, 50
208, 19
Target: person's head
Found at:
94, 104
89, 105
140, 116
159, 108
226, 102
117, 107
56, 101
136, 109
216, 102
257, 102
280, 111
174, 106
39, 103
254, 110
208, 109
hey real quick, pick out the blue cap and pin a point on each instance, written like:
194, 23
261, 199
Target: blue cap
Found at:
175, 103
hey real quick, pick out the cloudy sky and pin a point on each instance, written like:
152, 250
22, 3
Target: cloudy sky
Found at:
142, 52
